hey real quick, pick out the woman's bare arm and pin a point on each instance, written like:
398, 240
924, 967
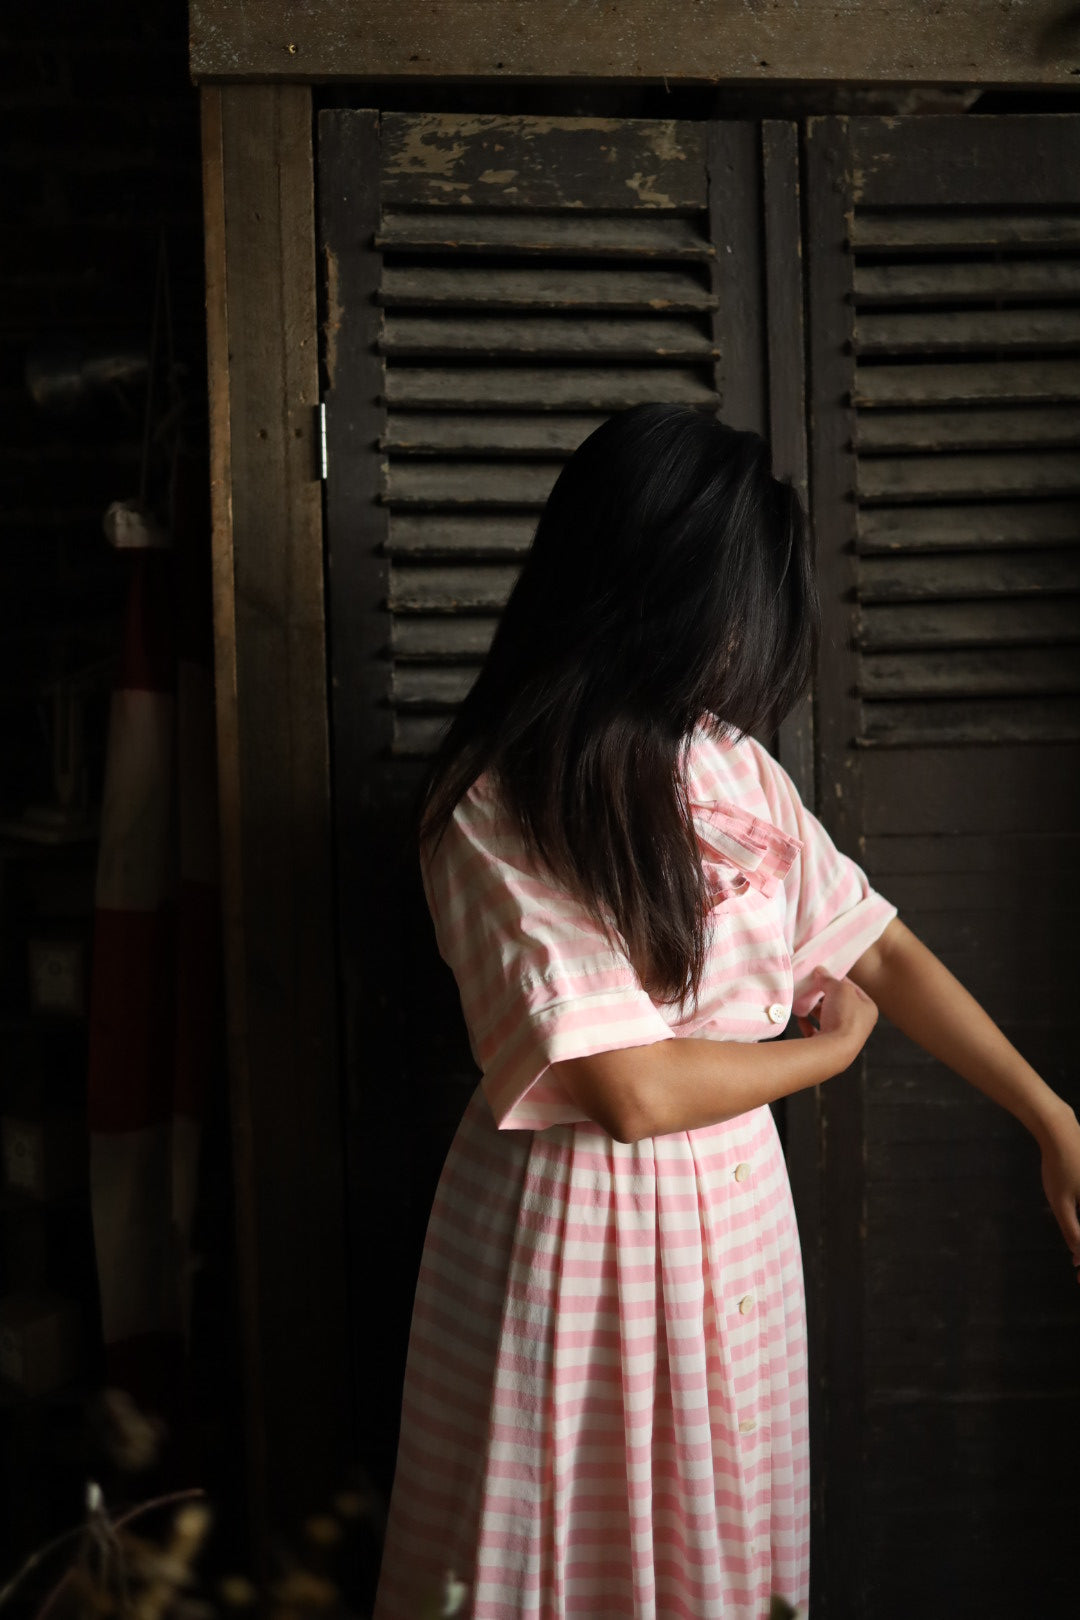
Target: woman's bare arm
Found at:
682, 1084
917, 993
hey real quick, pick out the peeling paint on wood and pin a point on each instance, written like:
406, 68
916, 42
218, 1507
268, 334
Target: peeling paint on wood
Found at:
541, 162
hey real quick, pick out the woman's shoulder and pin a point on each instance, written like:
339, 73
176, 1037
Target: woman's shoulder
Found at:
721, 764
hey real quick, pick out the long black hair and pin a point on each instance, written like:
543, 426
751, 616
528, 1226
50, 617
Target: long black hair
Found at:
669, 583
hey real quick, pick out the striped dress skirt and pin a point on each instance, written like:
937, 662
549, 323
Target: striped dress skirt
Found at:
605, 1400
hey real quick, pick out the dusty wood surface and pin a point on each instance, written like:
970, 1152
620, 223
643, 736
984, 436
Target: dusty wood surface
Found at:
837, 1348
970, 41
959, 642
594, 163
274, 765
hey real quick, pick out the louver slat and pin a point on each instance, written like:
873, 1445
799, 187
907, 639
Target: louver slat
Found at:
943, 723
433, 483
970, 624
417, 433
1020, 671
986, 429
513, 288
457, 335
441, 534
934, 283
1040, 382
958, 230
919, 578
463, 640
599, 388
918, 477
432, 688
966, 330
507, 234
450, 590
971, 527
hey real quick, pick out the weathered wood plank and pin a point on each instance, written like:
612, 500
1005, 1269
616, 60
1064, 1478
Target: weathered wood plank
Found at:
1023, 671
635, 338
478, 589
989, 428
591, 388
925, 578
963, 853
1002, 524
945, 281
968, 624
733, 161
915, 477
975, 721
998, 162
431, 688
465, 640
588, 236
910, 231
273, 751
427, 535
523, 162
837, 1350
417, 736
964, 331
447, 433
981, 790
1003, 894
887, 40
510, 287
968, 382
502, 483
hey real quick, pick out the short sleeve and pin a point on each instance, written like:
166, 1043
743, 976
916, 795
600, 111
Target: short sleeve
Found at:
833, 914
538, 978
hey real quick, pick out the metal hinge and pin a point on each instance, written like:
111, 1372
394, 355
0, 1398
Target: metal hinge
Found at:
320, 437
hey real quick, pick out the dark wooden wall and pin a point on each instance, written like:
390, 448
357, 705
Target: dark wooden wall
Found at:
944, 288
456, 375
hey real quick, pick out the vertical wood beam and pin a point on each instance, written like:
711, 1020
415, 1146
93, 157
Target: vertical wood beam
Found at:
733, 164
786, 376
273, 762
840, 806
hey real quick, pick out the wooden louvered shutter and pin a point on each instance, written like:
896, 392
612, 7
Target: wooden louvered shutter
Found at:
944, 311
493, 287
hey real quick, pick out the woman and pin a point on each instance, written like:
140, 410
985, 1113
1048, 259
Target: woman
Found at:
605, 1406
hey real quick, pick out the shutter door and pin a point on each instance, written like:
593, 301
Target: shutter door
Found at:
492, 288
944, 310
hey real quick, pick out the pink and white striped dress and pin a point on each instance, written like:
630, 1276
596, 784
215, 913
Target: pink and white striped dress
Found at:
605, 1403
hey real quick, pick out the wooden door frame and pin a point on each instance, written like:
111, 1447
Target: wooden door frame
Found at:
274, 773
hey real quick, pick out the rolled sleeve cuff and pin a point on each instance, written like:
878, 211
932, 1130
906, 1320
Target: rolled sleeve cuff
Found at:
516, 1081
838, 947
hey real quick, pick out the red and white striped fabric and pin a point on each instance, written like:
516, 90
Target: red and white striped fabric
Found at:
605, 1405
156, 1042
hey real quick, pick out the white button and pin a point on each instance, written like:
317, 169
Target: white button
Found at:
778, 1012
748, 1425
746, 1304
741, 1172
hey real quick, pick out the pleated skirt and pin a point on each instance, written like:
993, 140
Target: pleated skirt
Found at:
605, 1401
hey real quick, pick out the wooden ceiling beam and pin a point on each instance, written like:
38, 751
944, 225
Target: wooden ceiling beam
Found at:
682, 42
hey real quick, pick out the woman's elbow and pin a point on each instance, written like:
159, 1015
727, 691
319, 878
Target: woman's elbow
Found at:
605, 1088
